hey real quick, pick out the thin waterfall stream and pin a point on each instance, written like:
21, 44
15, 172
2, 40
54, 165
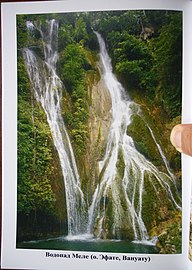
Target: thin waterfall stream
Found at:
123, 195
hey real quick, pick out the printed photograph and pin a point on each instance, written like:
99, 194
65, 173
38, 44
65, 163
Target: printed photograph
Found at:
98, 96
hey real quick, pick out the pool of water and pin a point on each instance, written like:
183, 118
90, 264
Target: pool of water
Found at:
91, 244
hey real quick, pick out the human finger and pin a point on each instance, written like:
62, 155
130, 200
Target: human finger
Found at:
181, 138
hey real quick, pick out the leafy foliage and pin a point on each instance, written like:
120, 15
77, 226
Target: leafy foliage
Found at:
34, 171
72, 61
73, 66
169, 65
152, 64
22, 35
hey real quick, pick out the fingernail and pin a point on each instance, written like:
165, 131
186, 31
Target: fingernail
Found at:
176, 138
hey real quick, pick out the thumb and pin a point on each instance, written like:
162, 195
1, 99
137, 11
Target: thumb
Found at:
181, 138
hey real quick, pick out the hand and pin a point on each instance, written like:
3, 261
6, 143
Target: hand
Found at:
181, 138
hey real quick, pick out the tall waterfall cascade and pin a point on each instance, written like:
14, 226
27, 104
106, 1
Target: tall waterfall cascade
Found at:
117, 202
47, 88
136, 166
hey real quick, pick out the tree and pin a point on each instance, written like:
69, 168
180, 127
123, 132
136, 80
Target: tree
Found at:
169, 64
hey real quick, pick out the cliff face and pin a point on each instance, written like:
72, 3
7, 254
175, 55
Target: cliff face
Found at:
98, 126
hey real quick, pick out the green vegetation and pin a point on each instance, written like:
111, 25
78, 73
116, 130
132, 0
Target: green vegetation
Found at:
169, 65
146, 52
170, 233
34, 154
143, 140
75, 63
133, 60
146, 49
38, 190
34, 189
72, 63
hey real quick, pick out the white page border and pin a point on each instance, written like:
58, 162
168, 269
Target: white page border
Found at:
187, 118
35, 259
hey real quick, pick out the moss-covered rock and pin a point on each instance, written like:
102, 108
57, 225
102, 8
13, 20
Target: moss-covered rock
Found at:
143, 140
169, 235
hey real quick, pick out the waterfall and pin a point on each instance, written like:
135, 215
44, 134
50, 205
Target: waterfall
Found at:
48, 89
136, 166
162, 155
120, 191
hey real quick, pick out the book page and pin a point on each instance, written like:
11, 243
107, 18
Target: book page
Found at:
190, 237
187, 113
91, 92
